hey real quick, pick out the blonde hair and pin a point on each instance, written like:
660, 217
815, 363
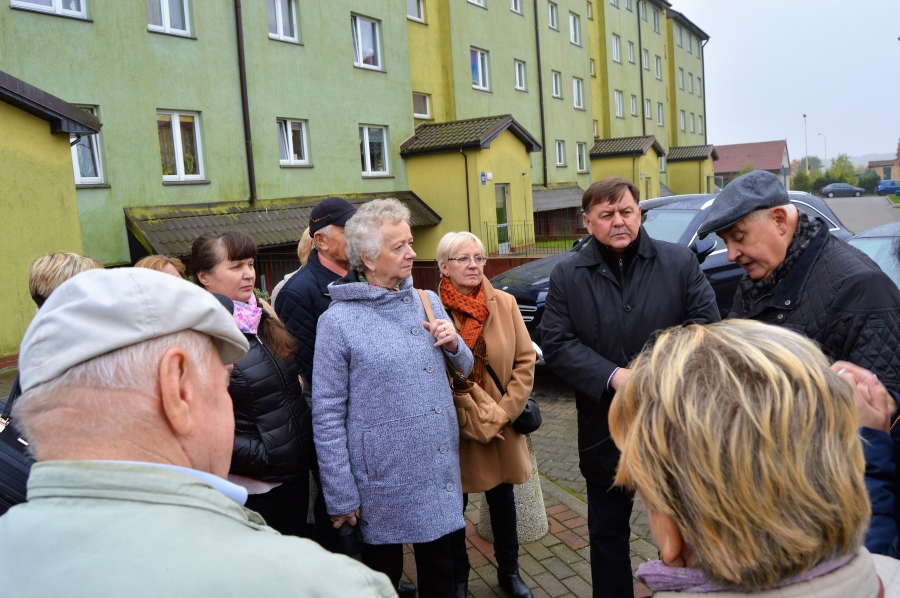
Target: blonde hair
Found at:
305, 246
363, 229
453, 242
158, 262
49, 271
743, 436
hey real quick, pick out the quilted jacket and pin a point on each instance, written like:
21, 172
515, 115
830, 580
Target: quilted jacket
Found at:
272, 418
303, 299
835, 295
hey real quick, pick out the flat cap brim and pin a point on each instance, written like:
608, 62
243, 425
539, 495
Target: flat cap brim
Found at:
753, 191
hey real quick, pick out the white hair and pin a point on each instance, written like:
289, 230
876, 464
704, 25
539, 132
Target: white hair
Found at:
325, 230
453, 242
134, 368
363, 230
762, 213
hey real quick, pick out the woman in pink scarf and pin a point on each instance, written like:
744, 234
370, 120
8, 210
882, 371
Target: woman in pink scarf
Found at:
744, 447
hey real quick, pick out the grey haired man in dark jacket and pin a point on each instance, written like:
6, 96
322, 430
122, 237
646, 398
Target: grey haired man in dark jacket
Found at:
605, 303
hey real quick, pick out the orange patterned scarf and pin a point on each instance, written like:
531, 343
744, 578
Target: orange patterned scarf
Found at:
472, 311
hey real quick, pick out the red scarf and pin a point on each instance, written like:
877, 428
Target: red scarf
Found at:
472, 311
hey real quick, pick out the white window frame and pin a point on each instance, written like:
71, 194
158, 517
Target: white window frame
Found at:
596, 128
700, 124
55, 9
699, 87
521, 82
167, 22
692, 122
593, 68
645, 59
690, 43
574, 29
656, 21
478, 3
285, 127
515, 6
659, 68
631, 52
358, 58
590, 10
581, 157
634, 103
681, 121
560, 146
660, 119
484, 70
679, 36
662, 163
96, 154
680, 78
648, 109
421, 10
690, 82
368, 172
616, 48
642, 9
578, 92
628, 5
175, 115
619, 98
553, 15
279, 34
614, 3
556, 84
427, 114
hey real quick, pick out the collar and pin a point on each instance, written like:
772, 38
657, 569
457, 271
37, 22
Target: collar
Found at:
592, 254
331, 265
790, 288
232, 491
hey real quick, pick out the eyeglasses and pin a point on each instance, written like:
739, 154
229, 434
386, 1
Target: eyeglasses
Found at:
463, 260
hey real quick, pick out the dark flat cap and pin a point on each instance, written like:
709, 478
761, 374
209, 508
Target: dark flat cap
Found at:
332, 210
753, 191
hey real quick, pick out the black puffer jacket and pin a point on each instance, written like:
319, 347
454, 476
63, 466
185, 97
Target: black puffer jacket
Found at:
835, 295
272, 419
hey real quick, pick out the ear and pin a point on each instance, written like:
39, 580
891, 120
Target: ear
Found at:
176, 391
587, 222
203, 277
780, 216
668, 539
320, 240
369, 264
445, 270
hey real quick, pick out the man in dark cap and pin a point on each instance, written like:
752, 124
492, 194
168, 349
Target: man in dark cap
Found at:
800, 276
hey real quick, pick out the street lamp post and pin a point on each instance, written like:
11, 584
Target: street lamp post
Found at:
825, 139
806, 138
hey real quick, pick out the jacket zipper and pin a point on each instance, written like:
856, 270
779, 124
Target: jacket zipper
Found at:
622, 272
283, 388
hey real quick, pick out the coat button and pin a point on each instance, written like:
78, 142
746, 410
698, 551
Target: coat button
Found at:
415, 330
788, 302
429, 369
780, 316
406, 300
632, 355
443, 448
627, 308
449, 487
437, 409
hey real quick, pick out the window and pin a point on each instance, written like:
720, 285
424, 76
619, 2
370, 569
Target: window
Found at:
520, 74
680, 78
560, 153
678, 36
479, 69
614, 3
700, 123
699, 87
681, 121
86, 156
556, 78
634, 105
690, 82
690, 43
69, 8
179, 146
366, 49
282, 20
642, 9
581, 151
620, 111
515, 6
595, 128
166, 16
292, 142
415, 10
590, 10
662, 163
574, 29
648, 109
578, 92
477, 3
421, 105
373, 150
692, 122
628, 4
631, 52
554, 15
646, 58
593, 69
659, 68
656, 26
616, 48
659, 114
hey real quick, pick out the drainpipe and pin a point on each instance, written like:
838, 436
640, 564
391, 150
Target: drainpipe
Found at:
245, 105
637, 13
537, 42
703, 70
468, 202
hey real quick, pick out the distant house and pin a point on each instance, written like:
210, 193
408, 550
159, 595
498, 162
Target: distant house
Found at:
886, 169
765, 155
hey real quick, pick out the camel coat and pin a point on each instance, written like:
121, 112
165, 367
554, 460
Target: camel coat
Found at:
511, 355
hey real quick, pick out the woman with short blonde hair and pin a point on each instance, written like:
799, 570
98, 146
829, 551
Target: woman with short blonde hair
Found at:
162, 263
743, 445
49, 271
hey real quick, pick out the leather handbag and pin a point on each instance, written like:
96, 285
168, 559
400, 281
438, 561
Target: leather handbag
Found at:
478, 415
530, 418
15, 463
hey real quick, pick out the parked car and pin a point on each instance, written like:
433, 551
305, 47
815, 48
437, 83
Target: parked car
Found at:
842, 189
888, 187
882, 244
674, 219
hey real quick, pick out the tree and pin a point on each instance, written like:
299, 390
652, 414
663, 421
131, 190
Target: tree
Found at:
748, 167
815, 163
898, 149
869, 181
795, 167
842, 169
801, 182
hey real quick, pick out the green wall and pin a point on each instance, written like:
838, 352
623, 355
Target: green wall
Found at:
683, 99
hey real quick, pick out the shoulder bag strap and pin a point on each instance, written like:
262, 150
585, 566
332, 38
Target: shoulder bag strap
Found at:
426, 304
495, 378
13, 395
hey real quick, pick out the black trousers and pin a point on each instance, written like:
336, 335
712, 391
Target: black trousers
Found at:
284, 507
502, 508
434, 564
323, 531
609, 527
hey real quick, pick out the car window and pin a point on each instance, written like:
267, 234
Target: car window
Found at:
814, 213
668, 225
879, 249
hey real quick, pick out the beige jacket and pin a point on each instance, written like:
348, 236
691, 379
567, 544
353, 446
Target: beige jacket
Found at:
857, 579
511, 355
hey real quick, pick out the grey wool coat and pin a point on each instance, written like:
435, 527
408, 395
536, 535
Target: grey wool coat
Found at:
383, 417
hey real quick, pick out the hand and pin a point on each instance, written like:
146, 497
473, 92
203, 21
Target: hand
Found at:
874, 404
444, 333
351, 518
619, 378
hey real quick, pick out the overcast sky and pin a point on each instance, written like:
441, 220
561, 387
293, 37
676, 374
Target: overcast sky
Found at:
769, 62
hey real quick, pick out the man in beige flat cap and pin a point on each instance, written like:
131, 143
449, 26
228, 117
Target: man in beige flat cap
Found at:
125, 405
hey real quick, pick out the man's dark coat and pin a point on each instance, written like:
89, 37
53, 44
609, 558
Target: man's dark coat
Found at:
593, 323
835, 295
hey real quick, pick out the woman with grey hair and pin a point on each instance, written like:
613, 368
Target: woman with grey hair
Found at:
383, 416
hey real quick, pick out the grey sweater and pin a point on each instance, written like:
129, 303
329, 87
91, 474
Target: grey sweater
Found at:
383, 417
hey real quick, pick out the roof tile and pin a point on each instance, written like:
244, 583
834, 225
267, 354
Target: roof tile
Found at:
464, 134
765, 155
